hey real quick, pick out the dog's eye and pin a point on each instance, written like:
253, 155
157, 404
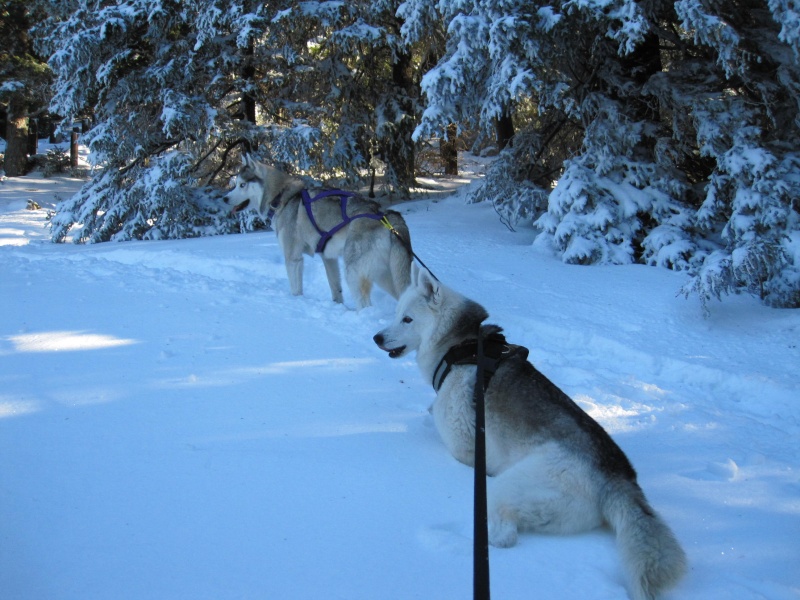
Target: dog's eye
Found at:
407, 319
243, 184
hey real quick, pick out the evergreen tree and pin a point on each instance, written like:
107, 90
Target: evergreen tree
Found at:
634, 130
150, 73
647, 131
742, 98
348, 79
176, 89
24, 80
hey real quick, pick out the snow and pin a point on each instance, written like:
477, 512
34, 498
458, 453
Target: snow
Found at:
174, 424
548, 18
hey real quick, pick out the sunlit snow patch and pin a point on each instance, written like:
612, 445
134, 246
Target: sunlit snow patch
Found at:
62, 341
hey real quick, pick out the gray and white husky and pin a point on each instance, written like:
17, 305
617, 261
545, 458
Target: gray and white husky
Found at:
555, 469
332, 224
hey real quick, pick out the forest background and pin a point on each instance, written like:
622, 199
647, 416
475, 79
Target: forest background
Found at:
663, 133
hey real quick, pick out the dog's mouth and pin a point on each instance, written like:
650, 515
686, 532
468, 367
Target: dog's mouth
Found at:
380, 340
396, 352
393, 352
239, 207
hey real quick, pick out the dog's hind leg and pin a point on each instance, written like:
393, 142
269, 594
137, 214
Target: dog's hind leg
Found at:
399, 268
359, 282
541, 493
294, 270
362, 289
365, 291
334, 278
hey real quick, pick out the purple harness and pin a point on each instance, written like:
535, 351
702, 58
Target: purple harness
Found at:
325, 236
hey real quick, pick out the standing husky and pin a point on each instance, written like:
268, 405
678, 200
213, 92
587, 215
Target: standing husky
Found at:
556, 469
332, 224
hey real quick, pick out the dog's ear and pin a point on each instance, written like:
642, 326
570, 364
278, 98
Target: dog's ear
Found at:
429, 287
414, 274
250, 161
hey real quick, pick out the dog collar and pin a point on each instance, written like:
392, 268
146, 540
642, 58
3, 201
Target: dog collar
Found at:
273, 206
495, 351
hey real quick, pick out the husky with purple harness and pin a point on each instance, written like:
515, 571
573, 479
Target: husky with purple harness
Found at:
375, 245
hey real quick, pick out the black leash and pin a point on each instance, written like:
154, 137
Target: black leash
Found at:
407, 245
480, 567
486, 353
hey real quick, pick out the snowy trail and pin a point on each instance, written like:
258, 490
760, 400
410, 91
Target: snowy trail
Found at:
174, 424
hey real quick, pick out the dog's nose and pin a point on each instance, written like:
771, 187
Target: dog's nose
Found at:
378, 337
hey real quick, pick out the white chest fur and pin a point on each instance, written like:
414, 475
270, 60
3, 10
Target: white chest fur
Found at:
454, 414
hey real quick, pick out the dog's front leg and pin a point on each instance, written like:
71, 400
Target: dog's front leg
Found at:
334, 278
294, 269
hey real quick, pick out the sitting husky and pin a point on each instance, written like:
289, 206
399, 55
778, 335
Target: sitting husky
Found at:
556, 469
375, 246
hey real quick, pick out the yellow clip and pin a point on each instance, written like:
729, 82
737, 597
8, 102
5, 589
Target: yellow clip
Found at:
385, 222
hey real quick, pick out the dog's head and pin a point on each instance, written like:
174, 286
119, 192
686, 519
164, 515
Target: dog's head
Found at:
260, 187
248, 186
428, 314
414, 315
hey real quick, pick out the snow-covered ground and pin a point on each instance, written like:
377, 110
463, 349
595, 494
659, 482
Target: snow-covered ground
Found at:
175, 425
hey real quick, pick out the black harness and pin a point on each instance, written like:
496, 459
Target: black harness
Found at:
495, 351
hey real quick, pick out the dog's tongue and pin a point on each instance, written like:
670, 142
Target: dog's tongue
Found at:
239, 207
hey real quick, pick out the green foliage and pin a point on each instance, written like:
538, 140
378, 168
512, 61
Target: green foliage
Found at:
23, 75
663, 133
56, 161
310, 85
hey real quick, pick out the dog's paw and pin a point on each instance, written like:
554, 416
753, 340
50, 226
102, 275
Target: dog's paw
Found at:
502, 533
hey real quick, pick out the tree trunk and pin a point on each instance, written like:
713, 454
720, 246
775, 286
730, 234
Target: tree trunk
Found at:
504, 129
73, 149
448, 149
16, 159
249, 75
248, 100
33, 137
400, 149
640, 65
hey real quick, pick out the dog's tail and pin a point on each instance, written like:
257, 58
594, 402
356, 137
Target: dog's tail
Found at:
654, 560
400, 254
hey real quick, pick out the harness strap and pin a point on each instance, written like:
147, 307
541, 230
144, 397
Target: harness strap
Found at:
495, 351
325, 236
273, 206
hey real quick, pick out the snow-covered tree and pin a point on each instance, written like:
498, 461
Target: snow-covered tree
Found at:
24, 80
153, 76
345, 75
175, 90
742, 96
658, 132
